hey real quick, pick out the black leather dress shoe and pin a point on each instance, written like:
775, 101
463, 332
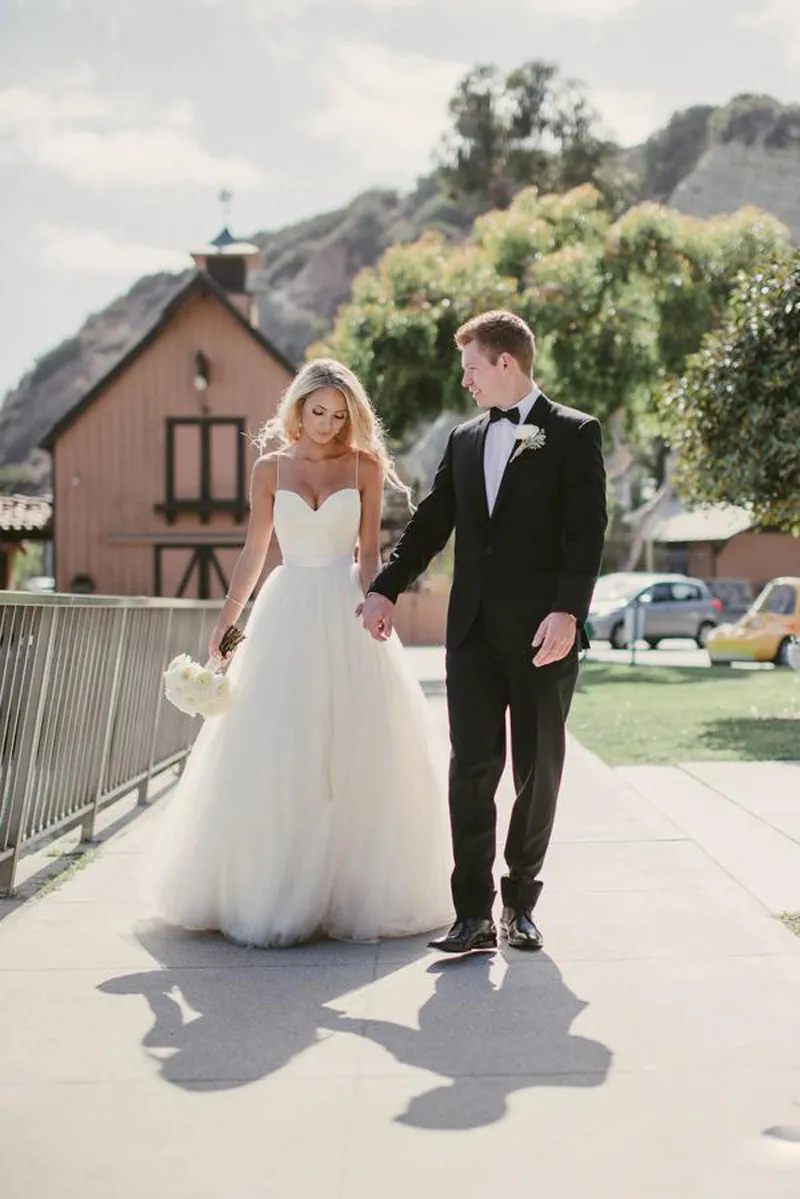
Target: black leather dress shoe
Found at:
518, 929
466, 935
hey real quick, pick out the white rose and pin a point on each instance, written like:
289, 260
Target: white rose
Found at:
526, 432
529, 437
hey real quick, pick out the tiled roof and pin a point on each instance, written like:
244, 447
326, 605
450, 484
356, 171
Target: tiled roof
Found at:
25, 513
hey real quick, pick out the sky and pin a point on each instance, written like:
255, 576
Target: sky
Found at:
121, 120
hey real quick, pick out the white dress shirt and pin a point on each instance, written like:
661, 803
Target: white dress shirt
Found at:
499, 445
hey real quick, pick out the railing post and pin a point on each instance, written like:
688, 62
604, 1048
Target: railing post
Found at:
144, 786
90, 820
67, 751
20, 808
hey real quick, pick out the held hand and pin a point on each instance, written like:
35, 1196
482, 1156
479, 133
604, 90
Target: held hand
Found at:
214, 640
554, 638
377, 616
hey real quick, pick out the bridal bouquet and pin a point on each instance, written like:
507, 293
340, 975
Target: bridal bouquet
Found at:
201, 690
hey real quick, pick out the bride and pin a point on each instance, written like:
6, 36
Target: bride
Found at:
313, 805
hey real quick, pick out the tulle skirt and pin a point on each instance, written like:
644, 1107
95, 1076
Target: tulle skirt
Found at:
316, 803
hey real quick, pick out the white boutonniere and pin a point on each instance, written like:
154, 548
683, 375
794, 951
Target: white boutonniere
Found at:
528, 437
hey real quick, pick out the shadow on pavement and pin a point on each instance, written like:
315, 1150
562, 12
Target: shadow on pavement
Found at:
224, 1017
489, 1040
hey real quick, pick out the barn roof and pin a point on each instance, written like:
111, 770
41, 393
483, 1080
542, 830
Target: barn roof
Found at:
199, 284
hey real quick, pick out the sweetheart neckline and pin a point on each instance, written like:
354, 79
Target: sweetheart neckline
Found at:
291, 491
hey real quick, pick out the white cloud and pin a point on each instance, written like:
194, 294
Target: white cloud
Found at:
95, 252
386, 109
629, 117
101, 140
591, 10
782, 15
595, 11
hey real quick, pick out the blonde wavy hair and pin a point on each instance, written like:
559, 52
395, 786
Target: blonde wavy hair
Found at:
363, 430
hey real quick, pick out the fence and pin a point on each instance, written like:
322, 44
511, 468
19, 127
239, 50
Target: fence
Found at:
82, 714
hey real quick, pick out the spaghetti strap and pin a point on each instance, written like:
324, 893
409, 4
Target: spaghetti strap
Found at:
357, 460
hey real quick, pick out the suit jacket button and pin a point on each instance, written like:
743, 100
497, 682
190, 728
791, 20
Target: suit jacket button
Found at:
488, 551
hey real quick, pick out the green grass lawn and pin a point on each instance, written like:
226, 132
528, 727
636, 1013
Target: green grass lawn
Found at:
667, 714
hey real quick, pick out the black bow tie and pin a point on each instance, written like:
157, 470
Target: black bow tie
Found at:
511, 414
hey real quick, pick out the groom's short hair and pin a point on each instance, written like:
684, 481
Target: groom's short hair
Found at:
500, 332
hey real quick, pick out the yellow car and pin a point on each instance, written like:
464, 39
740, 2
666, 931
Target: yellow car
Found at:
766, 632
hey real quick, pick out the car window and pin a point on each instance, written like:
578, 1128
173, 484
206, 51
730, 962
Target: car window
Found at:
780, 601
685, 591
661, 593
616, 587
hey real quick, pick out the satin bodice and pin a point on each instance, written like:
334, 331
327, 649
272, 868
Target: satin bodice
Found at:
317, 537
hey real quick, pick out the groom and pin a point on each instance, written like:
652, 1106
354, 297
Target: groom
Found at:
523, 485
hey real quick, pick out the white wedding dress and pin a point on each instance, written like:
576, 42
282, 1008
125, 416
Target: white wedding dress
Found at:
314, 805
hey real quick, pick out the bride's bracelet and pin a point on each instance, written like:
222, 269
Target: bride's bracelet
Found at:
231, 600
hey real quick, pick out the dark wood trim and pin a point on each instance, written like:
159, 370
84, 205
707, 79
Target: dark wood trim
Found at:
219, 572
204, 504
187, 574
203, 558
205, 464
169, 482
202, 508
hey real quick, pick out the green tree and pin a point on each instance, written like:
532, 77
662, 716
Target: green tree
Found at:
616, 306
508, 131
734, 418
397, 330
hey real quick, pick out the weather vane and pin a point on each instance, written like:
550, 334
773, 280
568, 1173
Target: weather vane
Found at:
226, 199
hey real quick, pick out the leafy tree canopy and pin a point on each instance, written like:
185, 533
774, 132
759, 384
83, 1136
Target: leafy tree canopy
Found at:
734, 418
616, 305
529, 126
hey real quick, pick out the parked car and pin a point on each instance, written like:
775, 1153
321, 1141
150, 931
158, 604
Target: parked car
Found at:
672, 606
766, 632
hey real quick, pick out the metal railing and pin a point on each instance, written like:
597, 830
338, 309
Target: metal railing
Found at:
83, 718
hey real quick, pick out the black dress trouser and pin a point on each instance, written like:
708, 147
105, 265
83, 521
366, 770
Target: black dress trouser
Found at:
483, 682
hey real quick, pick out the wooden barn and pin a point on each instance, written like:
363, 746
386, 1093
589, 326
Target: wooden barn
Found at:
151, 467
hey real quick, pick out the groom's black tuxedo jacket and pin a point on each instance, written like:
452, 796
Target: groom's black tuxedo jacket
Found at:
538, 552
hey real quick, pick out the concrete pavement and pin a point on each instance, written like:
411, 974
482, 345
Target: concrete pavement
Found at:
744, 815
652, 1049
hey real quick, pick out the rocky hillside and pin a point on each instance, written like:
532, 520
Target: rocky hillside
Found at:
703, 162
751, 155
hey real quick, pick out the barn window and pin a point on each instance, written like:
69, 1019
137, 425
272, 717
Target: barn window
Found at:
204, 467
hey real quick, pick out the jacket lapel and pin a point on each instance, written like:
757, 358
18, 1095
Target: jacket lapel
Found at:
536, 416
476, 472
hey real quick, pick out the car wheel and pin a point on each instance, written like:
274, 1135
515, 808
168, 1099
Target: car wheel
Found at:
617, 637
653, 642
782, 654
703, 633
